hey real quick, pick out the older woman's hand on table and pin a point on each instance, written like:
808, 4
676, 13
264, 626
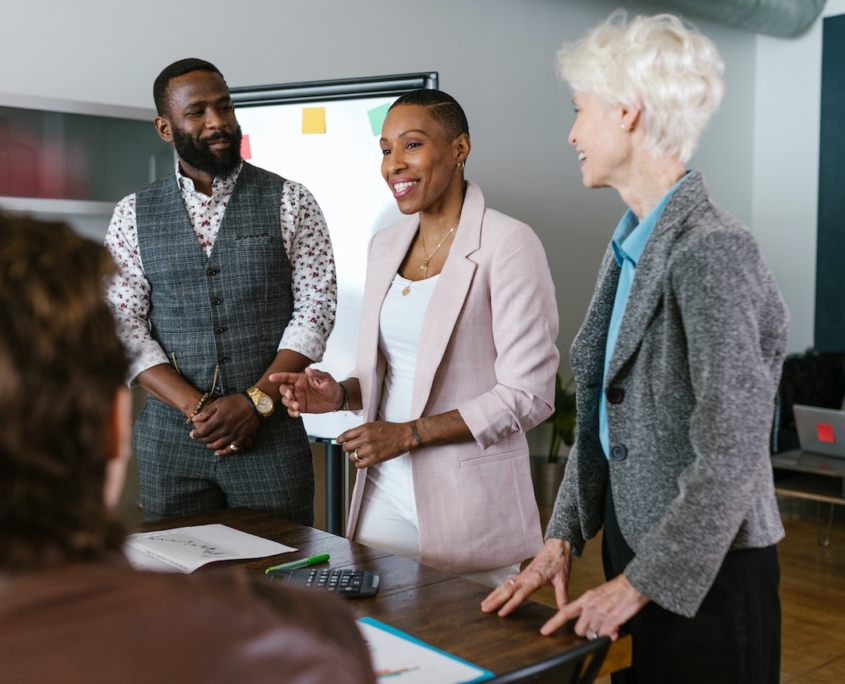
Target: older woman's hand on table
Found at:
600, 611
550, 566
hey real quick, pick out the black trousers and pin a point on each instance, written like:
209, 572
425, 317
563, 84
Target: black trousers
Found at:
733, 638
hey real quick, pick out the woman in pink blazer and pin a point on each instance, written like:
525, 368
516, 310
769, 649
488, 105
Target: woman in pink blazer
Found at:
456, 361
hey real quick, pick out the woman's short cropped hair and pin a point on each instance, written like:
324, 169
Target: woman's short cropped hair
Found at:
672, 72
444, 109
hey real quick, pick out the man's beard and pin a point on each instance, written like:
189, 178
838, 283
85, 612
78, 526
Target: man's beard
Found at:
200, 156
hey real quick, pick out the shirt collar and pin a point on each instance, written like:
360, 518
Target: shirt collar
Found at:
631, 235
188, 184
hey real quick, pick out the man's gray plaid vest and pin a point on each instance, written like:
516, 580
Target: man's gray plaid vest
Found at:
226, 312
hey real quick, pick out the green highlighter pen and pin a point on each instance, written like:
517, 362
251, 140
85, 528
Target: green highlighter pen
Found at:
304, 563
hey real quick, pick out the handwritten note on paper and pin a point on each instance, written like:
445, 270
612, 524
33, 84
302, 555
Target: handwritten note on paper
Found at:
399, 657
313, 119
184, 549
377, 115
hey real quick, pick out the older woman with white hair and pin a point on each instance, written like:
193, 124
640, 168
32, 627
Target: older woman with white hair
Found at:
677, 364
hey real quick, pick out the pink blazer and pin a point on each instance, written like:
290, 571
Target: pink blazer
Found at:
488, 350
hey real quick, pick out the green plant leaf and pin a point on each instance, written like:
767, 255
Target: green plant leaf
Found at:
562, 419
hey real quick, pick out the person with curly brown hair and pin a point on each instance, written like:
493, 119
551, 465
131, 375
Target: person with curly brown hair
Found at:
71, 607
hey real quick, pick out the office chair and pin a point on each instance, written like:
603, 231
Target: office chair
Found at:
565, 668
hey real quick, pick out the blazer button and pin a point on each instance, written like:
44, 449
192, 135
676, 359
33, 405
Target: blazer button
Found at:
618, 452
215, 301
211, 272
219, 330
615, 395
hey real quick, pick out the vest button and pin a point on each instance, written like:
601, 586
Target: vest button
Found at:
215, 301
615, 395
222, 359
618, 452
219, 330
211, 272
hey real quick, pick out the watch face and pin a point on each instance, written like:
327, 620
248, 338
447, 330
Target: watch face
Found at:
264, 405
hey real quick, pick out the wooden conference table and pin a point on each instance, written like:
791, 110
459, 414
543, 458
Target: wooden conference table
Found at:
436, 607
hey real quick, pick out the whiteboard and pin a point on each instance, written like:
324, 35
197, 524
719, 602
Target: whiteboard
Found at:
340, 163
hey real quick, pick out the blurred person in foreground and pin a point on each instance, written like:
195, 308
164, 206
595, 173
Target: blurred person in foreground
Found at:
677, 364
71, 608
456, 361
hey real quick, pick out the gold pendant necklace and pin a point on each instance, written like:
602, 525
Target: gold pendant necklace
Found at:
424, 266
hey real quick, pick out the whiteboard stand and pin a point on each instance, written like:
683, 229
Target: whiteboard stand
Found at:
335, 494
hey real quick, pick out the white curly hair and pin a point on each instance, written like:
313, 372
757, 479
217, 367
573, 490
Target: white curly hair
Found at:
671, 72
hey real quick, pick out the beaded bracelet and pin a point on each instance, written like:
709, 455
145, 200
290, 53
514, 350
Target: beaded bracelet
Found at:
205, 397
200, 404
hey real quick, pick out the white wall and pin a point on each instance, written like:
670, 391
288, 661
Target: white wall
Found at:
786, 166
495, 56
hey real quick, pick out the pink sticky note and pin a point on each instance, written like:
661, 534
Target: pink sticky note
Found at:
246, 153
824, 431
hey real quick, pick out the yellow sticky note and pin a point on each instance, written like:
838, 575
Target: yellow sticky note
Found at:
313, 119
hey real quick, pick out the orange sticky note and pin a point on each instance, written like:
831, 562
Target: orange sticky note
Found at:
313, 119
824, 432
246, 152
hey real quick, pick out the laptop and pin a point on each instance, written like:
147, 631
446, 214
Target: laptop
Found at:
820, 430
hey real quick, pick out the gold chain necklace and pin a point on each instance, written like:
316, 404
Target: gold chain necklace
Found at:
424, 266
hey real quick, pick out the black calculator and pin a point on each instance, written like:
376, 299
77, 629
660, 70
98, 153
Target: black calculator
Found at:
342, 581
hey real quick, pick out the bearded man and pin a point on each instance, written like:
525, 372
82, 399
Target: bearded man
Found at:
226, 276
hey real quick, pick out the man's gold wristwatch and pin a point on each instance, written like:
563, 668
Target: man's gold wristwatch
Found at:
262, 403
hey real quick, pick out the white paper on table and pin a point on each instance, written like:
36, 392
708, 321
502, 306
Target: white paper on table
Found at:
184, 549
398, 657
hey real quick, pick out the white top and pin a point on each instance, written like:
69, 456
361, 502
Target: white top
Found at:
400, 328
307, 245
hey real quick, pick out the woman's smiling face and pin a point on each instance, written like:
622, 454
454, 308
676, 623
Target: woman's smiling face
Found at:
419, 162
600, 140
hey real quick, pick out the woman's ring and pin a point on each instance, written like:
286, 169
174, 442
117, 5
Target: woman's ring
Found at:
357, 457
591, 635
234, 447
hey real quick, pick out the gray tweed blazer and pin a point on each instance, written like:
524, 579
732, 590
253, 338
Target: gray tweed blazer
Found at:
690, 391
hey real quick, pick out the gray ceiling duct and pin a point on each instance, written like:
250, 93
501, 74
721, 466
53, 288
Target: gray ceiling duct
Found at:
781, 18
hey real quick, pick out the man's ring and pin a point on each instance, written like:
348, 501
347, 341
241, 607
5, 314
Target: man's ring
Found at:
591, 635
357, 457
511, 582
234, 447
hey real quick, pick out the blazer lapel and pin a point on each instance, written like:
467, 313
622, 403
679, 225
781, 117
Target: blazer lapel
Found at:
448, 298
386, 255
587, 351
647, 289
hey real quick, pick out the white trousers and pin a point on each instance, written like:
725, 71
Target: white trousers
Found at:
385, 523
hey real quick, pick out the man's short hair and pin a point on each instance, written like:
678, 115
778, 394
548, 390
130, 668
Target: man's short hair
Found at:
175, 70
444, 109
61, 363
